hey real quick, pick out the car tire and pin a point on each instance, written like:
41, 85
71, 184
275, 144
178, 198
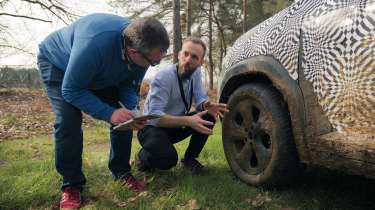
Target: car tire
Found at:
257, 137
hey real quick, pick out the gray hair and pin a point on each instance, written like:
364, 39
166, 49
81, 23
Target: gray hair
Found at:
146, 33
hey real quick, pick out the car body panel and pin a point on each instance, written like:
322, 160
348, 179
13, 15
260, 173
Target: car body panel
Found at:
277, 36
327, 47
344, 84
338, 58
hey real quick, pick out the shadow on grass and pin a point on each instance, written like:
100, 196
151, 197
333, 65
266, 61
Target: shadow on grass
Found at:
216, 189
316, 189
220, 189
335, 190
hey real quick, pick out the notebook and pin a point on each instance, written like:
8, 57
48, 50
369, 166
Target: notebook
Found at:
126, 125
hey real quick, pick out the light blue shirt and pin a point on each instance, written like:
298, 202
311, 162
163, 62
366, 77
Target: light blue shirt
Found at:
164, 97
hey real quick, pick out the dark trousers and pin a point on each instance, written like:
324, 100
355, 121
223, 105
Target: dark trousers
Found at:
158, 150
68, 133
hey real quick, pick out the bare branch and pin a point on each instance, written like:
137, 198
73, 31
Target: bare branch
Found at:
3, 2
52, 7
221, 31
24, 16
60, 7
138, 13
3, 27
16, 48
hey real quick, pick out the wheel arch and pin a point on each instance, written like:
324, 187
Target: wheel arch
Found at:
266, 69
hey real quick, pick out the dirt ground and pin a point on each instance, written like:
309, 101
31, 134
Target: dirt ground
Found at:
26, 113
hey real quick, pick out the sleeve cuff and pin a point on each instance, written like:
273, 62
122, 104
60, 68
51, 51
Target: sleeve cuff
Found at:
107, 114
200, 106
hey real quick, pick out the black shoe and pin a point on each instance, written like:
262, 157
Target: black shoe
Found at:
140, 165
193, 165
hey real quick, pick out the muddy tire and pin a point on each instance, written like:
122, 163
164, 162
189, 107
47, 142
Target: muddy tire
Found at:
257, 137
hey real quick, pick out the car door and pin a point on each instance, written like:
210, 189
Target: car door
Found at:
338, 59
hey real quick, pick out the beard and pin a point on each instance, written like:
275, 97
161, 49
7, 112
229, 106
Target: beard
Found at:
188, 70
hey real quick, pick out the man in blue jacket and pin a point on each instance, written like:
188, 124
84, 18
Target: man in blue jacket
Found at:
91, 66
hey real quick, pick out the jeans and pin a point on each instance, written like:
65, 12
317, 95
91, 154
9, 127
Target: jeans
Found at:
68, 133
157, 144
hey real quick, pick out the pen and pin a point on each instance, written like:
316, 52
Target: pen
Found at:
134, 111
122, 105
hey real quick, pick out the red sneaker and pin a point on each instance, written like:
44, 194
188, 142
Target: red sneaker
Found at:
133, 184
71, 198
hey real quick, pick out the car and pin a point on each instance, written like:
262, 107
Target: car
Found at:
300, 89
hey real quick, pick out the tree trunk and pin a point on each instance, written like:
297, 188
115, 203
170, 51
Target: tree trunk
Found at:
221, 56
188, 18
244, 7
211, 66
223, 45
177, 39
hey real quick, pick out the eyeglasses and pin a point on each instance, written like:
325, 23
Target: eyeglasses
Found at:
151, 62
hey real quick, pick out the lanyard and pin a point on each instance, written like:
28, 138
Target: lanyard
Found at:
182, 92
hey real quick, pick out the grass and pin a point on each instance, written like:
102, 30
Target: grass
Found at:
10, 119
28, 180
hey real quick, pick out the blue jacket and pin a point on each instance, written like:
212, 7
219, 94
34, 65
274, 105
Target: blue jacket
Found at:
90, 53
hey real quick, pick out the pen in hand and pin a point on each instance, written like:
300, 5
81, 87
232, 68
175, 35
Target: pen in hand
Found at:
135, 111
122, 105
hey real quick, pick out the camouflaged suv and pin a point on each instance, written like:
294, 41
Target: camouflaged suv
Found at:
300, 89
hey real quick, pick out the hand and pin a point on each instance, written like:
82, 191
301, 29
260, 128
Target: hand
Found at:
215, 109
139, 125
197, 123
121, 115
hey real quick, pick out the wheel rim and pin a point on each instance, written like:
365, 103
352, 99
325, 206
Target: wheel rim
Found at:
249, 136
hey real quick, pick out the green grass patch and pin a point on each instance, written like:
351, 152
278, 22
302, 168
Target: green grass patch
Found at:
28, 180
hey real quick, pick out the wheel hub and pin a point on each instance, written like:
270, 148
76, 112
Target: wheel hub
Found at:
252, 143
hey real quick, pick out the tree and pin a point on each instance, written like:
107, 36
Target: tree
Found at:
273, 6
218, 22
47, 12
244, 28
210, 60
228, 23
160, 9
256, 11
140, 8
177, 38
188, 17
